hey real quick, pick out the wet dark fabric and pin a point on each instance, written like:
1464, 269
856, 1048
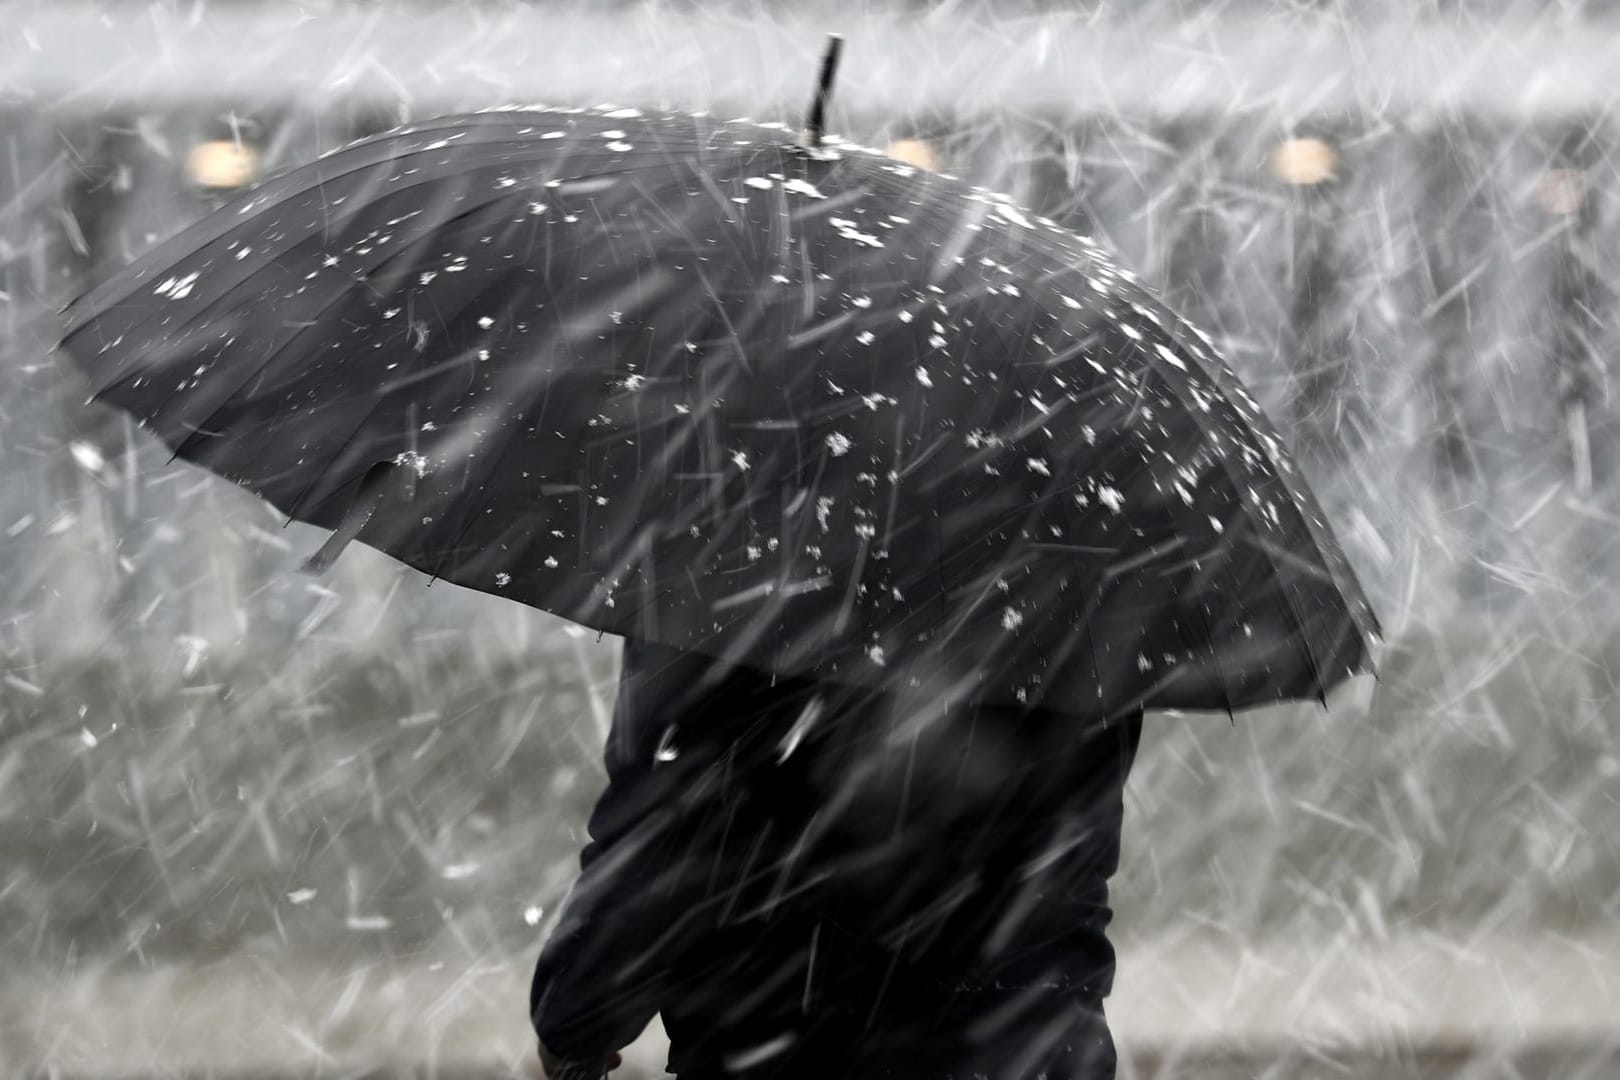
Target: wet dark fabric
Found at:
809, 880
602, 361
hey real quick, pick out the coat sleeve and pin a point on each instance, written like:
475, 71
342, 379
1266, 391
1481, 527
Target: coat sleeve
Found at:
606, 968
1067, 876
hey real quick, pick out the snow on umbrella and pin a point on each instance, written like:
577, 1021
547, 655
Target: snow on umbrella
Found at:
778, 400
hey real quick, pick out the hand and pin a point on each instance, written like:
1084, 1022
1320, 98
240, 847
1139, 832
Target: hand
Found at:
556, 1068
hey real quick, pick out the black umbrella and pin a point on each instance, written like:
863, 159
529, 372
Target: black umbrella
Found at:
706, 382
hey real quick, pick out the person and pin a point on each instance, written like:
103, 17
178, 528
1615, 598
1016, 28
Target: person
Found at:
811, 880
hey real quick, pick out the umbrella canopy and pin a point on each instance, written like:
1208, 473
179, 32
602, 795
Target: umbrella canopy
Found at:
804, 408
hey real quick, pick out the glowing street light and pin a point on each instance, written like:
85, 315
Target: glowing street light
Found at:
1304, 162
1562, 191
915, 152
222, 163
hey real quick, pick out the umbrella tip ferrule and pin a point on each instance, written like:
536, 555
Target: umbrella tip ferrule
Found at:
815, 123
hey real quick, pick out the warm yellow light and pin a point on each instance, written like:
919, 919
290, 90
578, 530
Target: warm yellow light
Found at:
222, 164
1304, 162
915, 152
1562, 191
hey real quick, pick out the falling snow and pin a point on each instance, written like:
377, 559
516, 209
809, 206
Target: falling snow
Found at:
925, 413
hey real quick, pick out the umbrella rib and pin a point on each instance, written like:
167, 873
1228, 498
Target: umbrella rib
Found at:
342, 295
1297, 497
1181, 633
185, 241
359, 429
1288, 598
261, 266
434, 235
723, 316
495, 463
1043, 240
1091, 637
1237, 488
1282, 587
1215, 655
236, 290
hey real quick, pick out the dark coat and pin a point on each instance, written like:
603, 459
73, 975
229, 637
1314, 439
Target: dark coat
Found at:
807, 881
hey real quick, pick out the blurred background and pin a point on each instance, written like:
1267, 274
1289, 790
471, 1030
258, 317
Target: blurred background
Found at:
255, 823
